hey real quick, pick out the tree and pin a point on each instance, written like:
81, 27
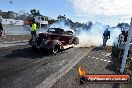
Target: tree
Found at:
69, 23
51, 21
33, 12
11, 14
38, 13
0, 12
123, 25
22, 15
89, 24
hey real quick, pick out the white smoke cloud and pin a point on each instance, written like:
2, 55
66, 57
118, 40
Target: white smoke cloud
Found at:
114, 35
61, 24
103, 7
93, 37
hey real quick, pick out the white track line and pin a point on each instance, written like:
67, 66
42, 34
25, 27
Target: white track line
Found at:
97, 58
93, 57
105, 60
89, 56
104, 54
108, 61
101, 59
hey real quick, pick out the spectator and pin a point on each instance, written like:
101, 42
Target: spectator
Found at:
1, 28
33, 29
106, 36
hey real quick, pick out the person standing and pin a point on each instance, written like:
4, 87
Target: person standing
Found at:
1, 28
33, 29
106, 36
121, 37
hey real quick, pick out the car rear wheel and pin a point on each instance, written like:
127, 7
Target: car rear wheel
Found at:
75, 41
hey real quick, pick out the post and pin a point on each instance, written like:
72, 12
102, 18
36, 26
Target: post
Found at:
40, 25
126, 48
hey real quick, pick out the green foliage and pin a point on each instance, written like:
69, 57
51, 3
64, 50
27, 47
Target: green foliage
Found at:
35, 12
9, 14
51, 21
122, 25
21, 15
0, 12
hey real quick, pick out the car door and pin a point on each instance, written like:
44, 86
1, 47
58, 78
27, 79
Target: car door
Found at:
66, 39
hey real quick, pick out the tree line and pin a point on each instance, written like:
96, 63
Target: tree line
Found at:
23, 15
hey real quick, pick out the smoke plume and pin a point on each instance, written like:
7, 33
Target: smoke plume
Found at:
61, 24
92, 37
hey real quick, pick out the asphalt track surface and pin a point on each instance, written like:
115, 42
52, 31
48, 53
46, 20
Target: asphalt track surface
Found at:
93, 63
21, 67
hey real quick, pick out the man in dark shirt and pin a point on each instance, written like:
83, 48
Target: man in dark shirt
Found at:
1, 29
106, 36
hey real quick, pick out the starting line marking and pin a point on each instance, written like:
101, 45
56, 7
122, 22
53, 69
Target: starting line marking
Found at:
93, 57
105, 60
106, 54
108, 61
89, 56
97, 58
101, 59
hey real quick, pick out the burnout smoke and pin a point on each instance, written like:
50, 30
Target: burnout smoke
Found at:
93, 37
60, 24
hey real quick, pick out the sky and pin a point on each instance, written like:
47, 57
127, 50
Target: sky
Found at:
108, 12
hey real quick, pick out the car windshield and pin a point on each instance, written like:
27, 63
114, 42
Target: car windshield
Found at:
51, 30
69, 32
55, 30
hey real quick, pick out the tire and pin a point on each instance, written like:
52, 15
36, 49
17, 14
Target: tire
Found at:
34, 49
75, 41
55, 49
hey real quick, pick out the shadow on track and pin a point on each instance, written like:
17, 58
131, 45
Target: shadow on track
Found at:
111, 67
97, 49
27, 53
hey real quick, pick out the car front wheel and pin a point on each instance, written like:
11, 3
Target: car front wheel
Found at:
55, 49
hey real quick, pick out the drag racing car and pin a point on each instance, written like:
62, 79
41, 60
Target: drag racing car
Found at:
54, 40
